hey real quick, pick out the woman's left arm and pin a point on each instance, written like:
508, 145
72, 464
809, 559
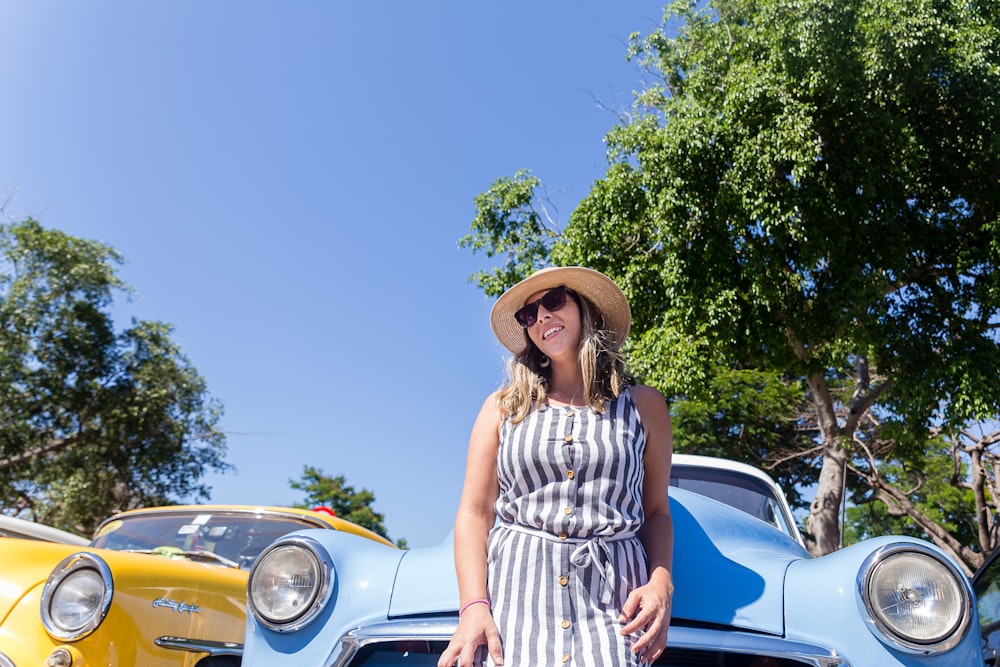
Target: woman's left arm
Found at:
648, 606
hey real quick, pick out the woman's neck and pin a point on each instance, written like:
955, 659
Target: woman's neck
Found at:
567, 386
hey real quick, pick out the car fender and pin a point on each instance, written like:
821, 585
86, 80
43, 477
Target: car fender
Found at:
839, 623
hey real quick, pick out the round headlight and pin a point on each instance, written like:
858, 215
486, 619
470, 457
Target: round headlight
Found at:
917, 601
76, 597
290, 583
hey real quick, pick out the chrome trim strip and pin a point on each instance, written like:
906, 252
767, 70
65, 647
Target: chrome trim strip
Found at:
200, 646
5, 661
696, 639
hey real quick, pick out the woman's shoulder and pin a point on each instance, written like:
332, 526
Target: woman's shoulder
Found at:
487, 425
643, 393
492, 402
648, 400
653, 413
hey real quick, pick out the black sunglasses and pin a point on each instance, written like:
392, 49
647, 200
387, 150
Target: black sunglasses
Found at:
552, 301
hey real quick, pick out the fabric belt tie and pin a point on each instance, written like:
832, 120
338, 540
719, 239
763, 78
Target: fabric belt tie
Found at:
592, 551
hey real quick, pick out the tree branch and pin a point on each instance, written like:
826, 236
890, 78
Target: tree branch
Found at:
54, 446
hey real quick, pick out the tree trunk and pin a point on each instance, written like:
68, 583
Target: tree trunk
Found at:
982, 503
823, 522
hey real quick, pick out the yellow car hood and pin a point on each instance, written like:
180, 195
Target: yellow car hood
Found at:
154, 597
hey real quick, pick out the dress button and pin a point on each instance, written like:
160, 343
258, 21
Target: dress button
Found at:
570, 474
565, 657
568, 511
563, 581
569, 437
562, 536
565, 625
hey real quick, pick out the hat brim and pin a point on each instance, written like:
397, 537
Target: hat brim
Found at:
600, 290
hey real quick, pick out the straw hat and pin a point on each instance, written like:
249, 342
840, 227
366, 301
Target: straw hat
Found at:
600, 290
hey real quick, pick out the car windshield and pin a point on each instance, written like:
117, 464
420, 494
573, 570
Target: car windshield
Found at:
735, 489
234, 539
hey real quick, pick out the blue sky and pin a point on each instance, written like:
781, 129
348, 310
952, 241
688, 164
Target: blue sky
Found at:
288, 182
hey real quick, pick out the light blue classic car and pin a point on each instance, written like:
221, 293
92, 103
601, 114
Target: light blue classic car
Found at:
747, 593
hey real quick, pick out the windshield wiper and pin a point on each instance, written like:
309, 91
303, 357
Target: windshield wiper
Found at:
206, 555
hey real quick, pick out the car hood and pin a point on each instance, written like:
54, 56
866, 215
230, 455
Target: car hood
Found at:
152, 580
729, 569
425, 582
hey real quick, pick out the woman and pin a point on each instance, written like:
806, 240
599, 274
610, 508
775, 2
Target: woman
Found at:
575, 463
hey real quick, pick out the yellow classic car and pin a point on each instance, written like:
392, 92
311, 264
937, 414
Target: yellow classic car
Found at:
156, 586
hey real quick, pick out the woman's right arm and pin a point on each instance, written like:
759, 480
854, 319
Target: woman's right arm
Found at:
473, 522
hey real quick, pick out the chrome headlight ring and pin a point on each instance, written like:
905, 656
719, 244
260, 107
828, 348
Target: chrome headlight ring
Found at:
76, 596
290, 583
913, 599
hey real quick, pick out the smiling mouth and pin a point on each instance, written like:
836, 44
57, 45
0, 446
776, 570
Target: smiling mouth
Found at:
550, 332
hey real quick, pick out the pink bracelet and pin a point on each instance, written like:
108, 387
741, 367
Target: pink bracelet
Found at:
472, 602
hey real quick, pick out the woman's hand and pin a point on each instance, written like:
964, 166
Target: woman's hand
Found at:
648, 609
475, 628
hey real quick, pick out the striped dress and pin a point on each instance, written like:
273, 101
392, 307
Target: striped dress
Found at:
564, 555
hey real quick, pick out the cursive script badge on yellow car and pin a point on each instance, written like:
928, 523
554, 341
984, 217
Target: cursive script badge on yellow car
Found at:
182, 607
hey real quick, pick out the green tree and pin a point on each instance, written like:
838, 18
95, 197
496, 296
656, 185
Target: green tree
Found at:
92, 420
927, 481
748, 415
810, 190
335, 493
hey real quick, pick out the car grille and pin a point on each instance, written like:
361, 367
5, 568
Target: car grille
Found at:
681, 657
418, 643
427, 655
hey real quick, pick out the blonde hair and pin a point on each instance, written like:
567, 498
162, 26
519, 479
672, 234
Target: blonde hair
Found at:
603, 367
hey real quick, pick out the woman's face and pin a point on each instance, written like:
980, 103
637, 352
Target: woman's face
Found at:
556, 333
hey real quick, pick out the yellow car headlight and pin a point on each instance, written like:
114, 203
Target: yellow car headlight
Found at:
290, 584
76, 596
916, 600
